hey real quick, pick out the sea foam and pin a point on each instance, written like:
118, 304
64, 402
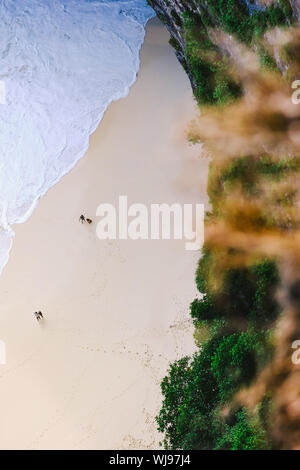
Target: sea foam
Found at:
62, 62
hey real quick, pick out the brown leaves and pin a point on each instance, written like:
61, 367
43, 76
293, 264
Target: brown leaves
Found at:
254, 190
265, 119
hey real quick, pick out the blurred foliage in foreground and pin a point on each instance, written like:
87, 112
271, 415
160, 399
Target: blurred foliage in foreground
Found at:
241, 390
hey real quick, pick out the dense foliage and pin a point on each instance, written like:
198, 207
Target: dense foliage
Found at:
234, 317
211, 74
234, 17
234, 321
196, 388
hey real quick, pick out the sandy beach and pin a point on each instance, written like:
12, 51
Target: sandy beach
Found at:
116, 312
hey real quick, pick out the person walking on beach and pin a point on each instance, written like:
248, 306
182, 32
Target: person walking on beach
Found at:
37, 316
83, 219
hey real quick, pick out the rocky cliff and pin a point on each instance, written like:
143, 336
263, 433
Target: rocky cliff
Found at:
170, 13
240, 16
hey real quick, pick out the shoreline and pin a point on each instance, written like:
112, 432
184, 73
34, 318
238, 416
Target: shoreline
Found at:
7, 228
116, 312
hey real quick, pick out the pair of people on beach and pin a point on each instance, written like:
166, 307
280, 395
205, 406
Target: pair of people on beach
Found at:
83, 219
38, 315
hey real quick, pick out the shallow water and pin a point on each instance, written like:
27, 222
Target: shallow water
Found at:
61, 63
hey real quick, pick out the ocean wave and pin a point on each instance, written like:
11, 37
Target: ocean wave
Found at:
62, 62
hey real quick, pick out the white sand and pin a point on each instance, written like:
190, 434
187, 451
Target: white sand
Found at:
116, 312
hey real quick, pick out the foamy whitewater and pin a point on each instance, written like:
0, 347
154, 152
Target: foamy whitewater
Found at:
62, 62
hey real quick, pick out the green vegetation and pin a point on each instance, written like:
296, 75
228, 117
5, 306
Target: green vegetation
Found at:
211, 74
234, 318
213, 81
234, 322
237, 309
233, 17
247, 294
195, 389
